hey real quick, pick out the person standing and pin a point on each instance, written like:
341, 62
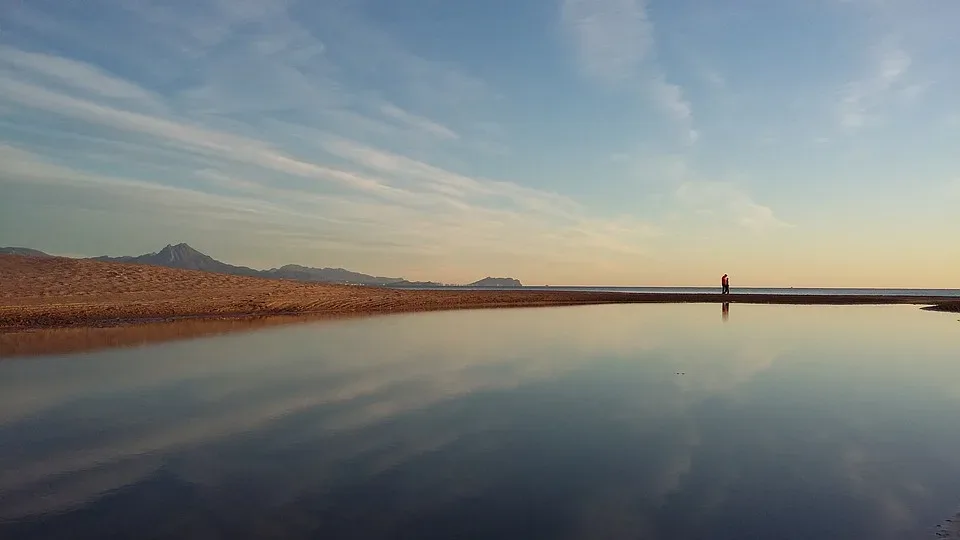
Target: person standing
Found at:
725, 284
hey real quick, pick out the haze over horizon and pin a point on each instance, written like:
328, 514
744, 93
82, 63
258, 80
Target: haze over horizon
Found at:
568, 142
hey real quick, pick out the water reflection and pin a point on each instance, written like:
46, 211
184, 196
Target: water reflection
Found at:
558, 423
725, 311
85, 339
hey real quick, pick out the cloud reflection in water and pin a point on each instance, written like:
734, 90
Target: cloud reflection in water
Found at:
561, 423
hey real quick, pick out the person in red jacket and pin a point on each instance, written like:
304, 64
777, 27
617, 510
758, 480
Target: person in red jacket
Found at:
725, 284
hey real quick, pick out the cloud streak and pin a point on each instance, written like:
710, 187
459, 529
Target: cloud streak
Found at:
83, 77
418, 122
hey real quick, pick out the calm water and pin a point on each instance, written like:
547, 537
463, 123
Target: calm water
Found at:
738, 290
786, 422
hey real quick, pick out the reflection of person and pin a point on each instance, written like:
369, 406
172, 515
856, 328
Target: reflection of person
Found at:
725, 284
725, 311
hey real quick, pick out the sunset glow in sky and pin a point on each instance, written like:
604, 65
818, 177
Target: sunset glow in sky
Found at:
575, 142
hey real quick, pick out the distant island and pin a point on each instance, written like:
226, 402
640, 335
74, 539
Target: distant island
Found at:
184, 257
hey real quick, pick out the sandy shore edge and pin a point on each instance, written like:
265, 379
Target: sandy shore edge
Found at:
37, 293
72, 314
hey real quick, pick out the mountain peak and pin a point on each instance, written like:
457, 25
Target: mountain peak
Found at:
183, 256
182, 246
180, 252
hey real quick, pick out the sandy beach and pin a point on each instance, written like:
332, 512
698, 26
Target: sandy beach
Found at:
62, 292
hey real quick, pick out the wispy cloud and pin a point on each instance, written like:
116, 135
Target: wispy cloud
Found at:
669, 98
24, 166
88, 79
612, 37
615, 44
450, 183
726, 202
418, 122
714, 78
188, 137
862, 98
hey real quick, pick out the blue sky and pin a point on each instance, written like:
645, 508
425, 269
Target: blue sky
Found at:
605, 142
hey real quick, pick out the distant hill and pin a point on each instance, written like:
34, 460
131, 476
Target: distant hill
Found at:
185, 257
26, 252
328, 275
496, 282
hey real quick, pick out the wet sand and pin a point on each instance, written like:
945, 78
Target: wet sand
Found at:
949, 307
63, 293
949, 528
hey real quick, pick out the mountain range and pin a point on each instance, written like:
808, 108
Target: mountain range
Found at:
185, 257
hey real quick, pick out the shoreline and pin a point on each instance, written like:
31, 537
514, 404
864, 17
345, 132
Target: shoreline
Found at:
41, 293
63, 313
96, 334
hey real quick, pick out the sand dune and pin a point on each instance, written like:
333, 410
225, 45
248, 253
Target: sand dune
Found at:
63, 292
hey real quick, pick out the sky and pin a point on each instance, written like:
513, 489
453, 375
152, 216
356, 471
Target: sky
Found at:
563, 142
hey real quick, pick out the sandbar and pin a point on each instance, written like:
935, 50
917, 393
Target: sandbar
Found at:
62, 292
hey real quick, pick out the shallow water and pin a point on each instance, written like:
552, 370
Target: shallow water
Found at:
802, 291
616, 421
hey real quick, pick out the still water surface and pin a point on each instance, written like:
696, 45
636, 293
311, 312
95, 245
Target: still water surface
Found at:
802, 291
620, 421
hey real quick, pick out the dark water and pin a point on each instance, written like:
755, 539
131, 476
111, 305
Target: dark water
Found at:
786, 422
